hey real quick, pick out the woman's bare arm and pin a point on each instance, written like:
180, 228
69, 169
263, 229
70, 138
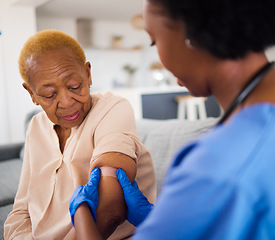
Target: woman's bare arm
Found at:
112, 209
85, 226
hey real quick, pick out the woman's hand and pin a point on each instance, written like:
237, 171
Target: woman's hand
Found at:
86, 193
138, 205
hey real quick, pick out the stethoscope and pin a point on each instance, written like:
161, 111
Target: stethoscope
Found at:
255, 80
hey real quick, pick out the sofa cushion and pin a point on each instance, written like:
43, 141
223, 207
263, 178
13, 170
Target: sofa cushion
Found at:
10, 173
5, 210
10, 151
163, 138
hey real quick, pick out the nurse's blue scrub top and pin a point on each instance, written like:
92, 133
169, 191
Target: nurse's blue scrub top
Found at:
221, 186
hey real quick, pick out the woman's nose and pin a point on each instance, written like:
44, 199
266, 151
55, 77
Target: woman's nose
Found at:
65, 99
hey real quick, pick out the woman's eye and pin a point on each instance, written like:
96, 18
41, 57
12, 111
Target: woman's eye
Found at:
49, 97
75, 87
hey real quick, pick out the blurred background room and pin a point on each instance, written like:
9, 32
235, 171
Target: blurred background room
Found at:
113, 37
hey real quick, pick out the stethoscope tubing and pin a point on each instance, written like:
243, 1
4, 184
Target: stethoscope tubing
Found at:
250, 86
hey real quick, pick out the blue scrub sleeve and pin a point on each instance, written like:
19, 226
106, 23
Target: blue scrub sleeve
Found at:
198, 209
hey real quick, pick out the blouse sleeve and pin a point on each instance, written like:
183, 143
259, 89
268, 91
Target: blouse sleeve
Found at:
18, 223
117, 132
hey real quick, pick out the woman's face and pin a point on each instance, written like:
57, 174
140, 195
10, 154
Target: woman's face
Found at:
61, 85
169, 38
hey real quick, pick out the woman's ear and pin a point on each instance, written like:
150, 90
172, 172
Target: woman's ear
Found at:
26, 86
88, 70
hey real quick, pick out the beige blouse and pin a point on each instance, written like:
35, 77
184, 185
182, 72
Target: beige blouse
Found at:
48, 177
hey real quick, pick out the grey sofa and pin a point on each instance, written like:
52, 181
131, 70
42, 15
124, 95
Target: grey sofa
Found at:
10, 167
163, 138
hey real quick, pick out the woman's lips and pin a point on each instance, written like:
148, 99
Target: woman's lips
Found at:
72, 117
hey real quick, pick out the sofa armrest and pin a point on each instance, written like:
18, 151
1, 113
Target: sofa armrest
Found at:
10, 151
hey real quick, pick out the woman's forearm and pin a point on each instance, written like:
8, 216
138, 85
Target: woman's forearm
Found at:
85, 226
112, 209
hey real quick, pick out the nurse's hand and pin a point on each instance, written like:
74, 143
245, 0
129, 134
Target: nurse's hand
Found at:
86, 193
138, 205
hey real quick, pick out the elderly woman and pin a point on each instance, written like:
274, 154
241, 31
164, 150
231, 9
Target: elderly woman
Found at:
76, 132
220, 186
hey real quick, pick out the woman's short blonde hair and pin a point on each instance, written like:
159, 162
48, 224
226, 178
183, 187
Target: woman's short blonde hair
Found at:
45, 41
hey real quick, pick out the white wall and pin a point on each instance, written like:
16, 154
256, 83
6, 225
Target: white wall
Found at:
104, 30
16, 25
107, 64
4, 118
67, 25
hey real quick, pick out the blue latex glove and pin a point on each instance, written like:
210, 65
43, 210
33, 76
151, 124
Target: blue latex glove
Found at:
138, 205
86, 193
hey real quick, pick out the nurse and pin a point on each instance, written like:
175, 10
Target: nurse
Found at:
221, 185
